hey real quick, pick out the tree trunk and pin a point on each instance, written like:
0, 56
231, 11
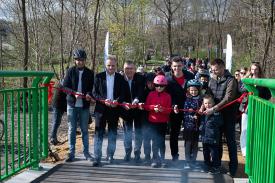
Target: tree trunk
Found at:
96, 24
61, 41
26, 42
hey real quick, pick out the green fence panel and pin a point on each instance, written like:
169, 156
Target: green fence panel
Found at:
25, 120
260, 152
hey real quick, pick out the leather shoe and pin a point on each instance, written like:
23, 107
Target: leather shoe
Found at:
88, 157
69, 159
127, 158
96, 163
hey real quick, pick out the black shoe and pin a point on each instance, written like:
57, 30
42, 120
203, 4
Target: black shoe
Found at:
147, 160
175, 158
137, 159
54, 142
164, 165
96, 163
88, 157
127, 157
69, 159
215, 171
110, 159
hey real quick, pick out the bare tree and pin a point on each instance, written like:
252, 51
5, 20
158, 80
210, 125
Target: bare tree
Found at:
168, 8
22, 6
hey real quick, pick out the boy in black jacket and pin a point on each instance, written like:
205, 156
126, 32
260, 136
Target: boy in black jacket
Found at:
210, 133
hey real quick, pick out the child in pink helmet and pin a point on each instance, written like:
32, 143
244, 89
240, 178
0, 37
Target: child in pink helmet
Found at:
158, 103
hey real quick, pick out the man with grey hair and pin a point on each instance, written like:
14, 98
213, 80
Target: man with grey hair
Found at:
131, 115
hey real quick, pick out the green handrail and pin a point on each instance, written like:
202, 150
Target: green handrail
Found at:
25, 115
260, 150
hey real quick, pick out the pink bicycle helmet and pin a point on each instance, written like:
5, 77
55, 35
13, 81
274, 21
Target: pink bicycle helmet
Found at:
160, 80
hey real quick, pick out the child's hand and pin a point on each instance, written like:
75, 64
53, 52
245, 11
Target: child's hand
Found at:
156, 108
201, 110
141, 106
176, 109
114, 104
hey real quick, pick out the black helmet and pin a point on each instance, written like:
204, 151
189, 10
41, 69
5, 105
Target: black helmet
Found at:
79, 54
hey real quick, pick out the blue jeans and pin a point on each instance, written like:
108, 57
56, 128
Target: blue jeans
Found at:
75, 115
56, 121
128, 133
101, 119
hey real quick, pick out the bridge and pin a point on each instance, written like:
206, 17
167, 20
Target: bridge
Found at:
25, 143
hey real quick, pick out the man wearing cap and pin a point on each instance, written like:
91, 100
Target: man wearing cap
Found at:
79, 79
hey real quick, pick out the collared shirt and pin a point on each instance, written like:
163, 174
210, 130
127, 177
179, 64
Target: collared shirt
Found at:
110, 85
79, 101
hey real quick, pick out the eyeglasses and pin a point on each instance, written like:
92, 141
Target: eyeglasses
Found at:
161, 86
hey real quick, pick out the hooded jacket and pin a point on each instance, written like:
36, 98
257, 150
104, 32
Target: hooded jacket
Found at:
158, 98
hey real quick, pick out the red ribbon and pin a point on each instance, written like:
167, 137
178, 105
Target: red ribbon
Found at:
143, 106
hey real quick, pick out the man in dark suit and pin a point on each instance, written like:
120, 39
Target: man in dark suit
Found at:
79, 79
109, 88
131, 115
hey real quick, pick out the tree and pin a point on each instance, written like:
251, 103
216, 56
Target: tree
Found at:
168, 9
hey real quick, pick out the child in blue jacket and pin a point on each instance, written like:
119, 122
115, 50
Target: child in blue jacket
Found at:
210, 133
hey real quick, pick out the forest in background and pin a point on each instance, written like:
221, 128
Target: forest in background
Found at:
41, 34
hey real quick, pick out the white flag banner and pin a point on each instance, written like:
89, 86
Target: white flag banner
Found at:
229, 53
106, 48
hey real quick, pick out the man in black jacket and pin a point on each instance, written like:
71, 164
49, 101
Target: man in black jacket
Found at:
79, 79
223, 86
131, 115
109, 88
177, 84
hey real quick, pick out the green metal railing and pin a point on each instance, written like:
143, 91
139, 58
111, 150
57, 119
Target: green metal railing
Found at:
24, 113
260, 150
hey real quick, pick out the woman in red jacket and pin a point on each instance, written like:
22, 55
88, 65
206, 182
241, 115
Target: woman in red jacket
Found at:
158, 103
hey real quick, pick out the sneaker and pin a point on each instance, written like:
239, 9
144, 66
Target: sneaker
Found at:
69, 159
154, 165
215, 171
187, 166
110, 160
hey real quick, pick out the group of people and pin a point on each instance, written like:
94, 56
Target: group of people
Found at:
183, 95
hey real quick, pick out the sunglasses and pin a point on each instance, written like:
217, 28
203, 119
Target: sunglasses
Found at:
242, 73
161, 86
